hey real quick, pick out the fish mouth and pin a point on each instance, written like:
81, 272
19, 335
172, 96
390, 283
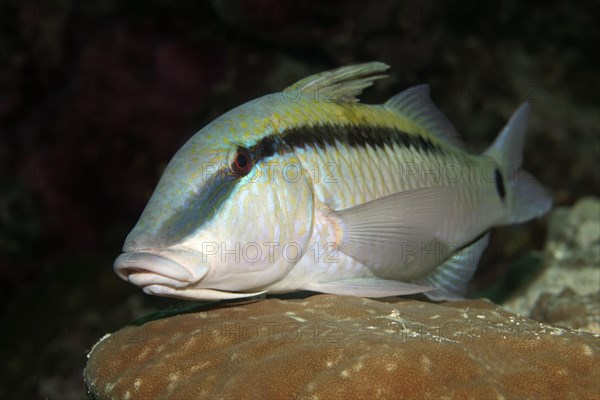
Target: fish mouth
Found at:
146, 269
197, 293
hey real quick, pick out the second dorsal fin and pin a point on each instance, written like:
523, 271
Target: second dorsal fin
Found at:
415, 104
342, 84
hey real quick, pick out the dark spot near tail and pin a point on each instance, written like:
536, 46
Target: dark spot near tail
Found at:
499, 184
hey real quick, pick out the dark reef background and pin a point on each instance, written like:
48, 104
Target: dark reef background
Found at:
96, 96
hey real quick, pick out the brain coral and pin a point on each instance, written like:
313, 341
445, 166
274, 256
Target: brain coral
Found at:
328, 346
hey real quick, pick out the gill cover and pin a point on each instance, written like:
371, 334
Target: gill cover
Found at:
261, 231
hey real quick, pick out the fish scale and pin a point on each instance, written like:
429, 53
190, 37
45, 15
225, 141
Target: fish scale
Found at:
388, 166
356, 166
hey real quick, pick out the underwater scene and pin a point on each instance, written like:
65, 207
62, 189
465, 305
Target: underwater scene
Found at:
266, 199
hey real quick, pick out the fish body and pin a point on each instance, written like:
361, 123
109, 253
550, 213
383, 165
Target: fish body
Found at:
308, 189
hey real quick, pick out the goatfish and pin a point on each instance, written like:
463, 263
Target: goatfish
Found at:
309, 189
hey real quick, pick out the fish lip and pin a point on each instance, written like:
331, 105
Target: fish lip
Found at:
144, 268
198, 293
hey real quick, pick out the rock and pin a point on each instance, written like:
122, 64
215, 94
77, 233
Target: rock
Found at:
569, 309
329, 346
575, 236
572, 263
588, 234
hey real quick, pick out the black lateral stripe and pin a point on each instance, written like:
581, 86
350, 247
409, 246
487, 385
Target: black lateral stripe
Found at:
327, 135
198, 208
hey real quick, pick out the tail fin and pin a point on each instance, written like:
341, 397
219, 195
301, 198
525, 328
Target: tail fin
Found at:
527, 199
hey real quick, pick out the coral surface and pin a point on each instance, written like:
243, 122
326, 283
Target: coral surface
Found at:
329, 346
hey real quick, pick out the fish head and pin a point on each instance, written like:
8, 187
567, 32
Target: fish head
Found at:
230, 215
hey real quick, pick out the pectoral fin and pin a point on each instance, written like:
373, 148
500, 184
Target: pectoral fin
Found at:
376, 233
368, 287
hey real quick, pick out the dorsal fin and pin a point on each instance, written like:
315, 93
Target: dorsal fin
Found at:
342, 84
415, 104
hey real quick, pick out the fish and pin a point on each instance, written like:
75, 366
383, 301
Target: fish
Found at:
308, 189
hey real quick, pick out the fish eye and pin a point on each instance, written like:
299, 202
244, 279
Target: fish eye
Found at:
242, 162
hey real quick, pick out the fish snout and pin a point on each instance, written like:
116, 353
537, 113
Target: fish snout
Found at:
144, 268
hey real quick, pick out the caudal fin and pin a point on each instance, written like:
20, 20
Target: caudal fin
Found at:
527, 199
